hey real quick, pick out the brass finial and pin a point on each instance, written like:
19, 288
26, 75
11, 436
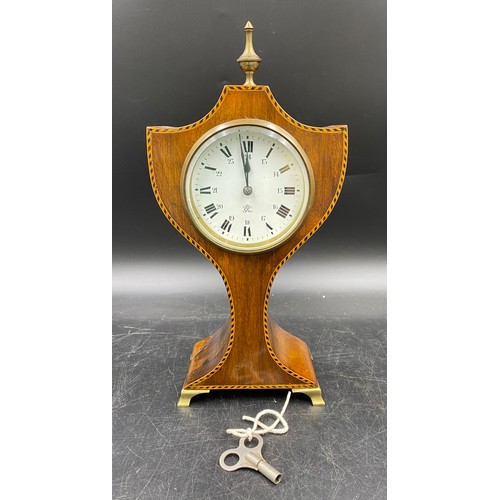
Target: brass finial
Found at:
249, 60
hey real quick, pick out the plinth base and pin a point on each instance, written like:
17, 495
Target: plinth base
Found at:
313, 393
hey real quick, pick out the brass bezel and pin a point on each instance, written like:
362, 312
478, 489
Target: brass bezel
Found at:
215, 237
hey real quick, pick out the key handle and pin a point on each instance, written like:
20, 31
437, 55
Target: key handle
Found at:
250, 458
242, 451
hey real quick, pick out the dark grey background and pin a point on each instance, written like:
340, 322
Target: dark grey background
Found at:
325, 62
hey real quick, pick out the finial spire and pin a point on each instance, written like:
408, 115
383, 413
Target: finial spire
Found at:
249, 60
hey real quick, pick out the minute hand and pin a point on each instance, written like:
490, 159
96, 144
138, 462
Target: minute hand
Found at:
245, 162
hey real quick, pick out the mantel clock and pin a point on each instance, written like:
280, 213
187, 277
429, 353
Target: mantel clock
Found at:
248, 185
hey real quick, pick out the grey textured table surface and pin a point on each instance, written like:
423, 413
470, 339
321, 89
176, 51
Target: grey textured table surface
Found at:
337, 451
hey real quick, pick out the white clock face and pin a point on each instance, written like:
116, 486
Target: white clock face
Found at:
247, 186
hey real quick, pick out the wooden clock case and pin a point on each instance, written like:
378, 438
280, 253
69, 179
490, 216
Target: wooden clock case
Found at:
250, 351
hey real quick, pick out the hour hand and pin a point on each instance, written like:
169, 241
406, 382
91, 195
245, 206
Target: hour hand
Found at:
246, 168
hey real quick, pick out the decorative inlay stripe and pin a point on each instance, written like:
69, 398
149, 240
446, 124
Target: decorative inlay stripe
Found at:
271, 386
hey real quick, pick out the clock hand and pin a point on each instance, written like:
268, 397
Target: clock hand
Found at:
246, 168
242, 153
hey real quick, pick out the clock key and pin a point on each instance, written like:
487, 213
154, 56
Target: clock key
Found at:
250, 458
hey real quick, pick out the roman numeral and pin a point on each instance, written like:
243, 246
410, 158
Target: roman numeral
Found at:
206, 190
284, 169
211, 208
289, 190
225, 151
226, 226
269, 226
283, 211
248, 146
246, 231
270, 151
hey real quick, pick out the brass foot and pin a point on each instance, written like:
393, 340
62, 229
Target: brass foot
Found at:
187, 395
314, 394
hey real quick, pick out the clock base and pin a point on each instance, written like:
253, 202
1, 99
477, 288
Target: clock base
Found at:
313, 393
239, 356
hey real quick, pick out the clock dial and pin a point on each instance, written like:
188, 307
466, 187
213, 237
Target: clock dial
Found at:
247, 186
